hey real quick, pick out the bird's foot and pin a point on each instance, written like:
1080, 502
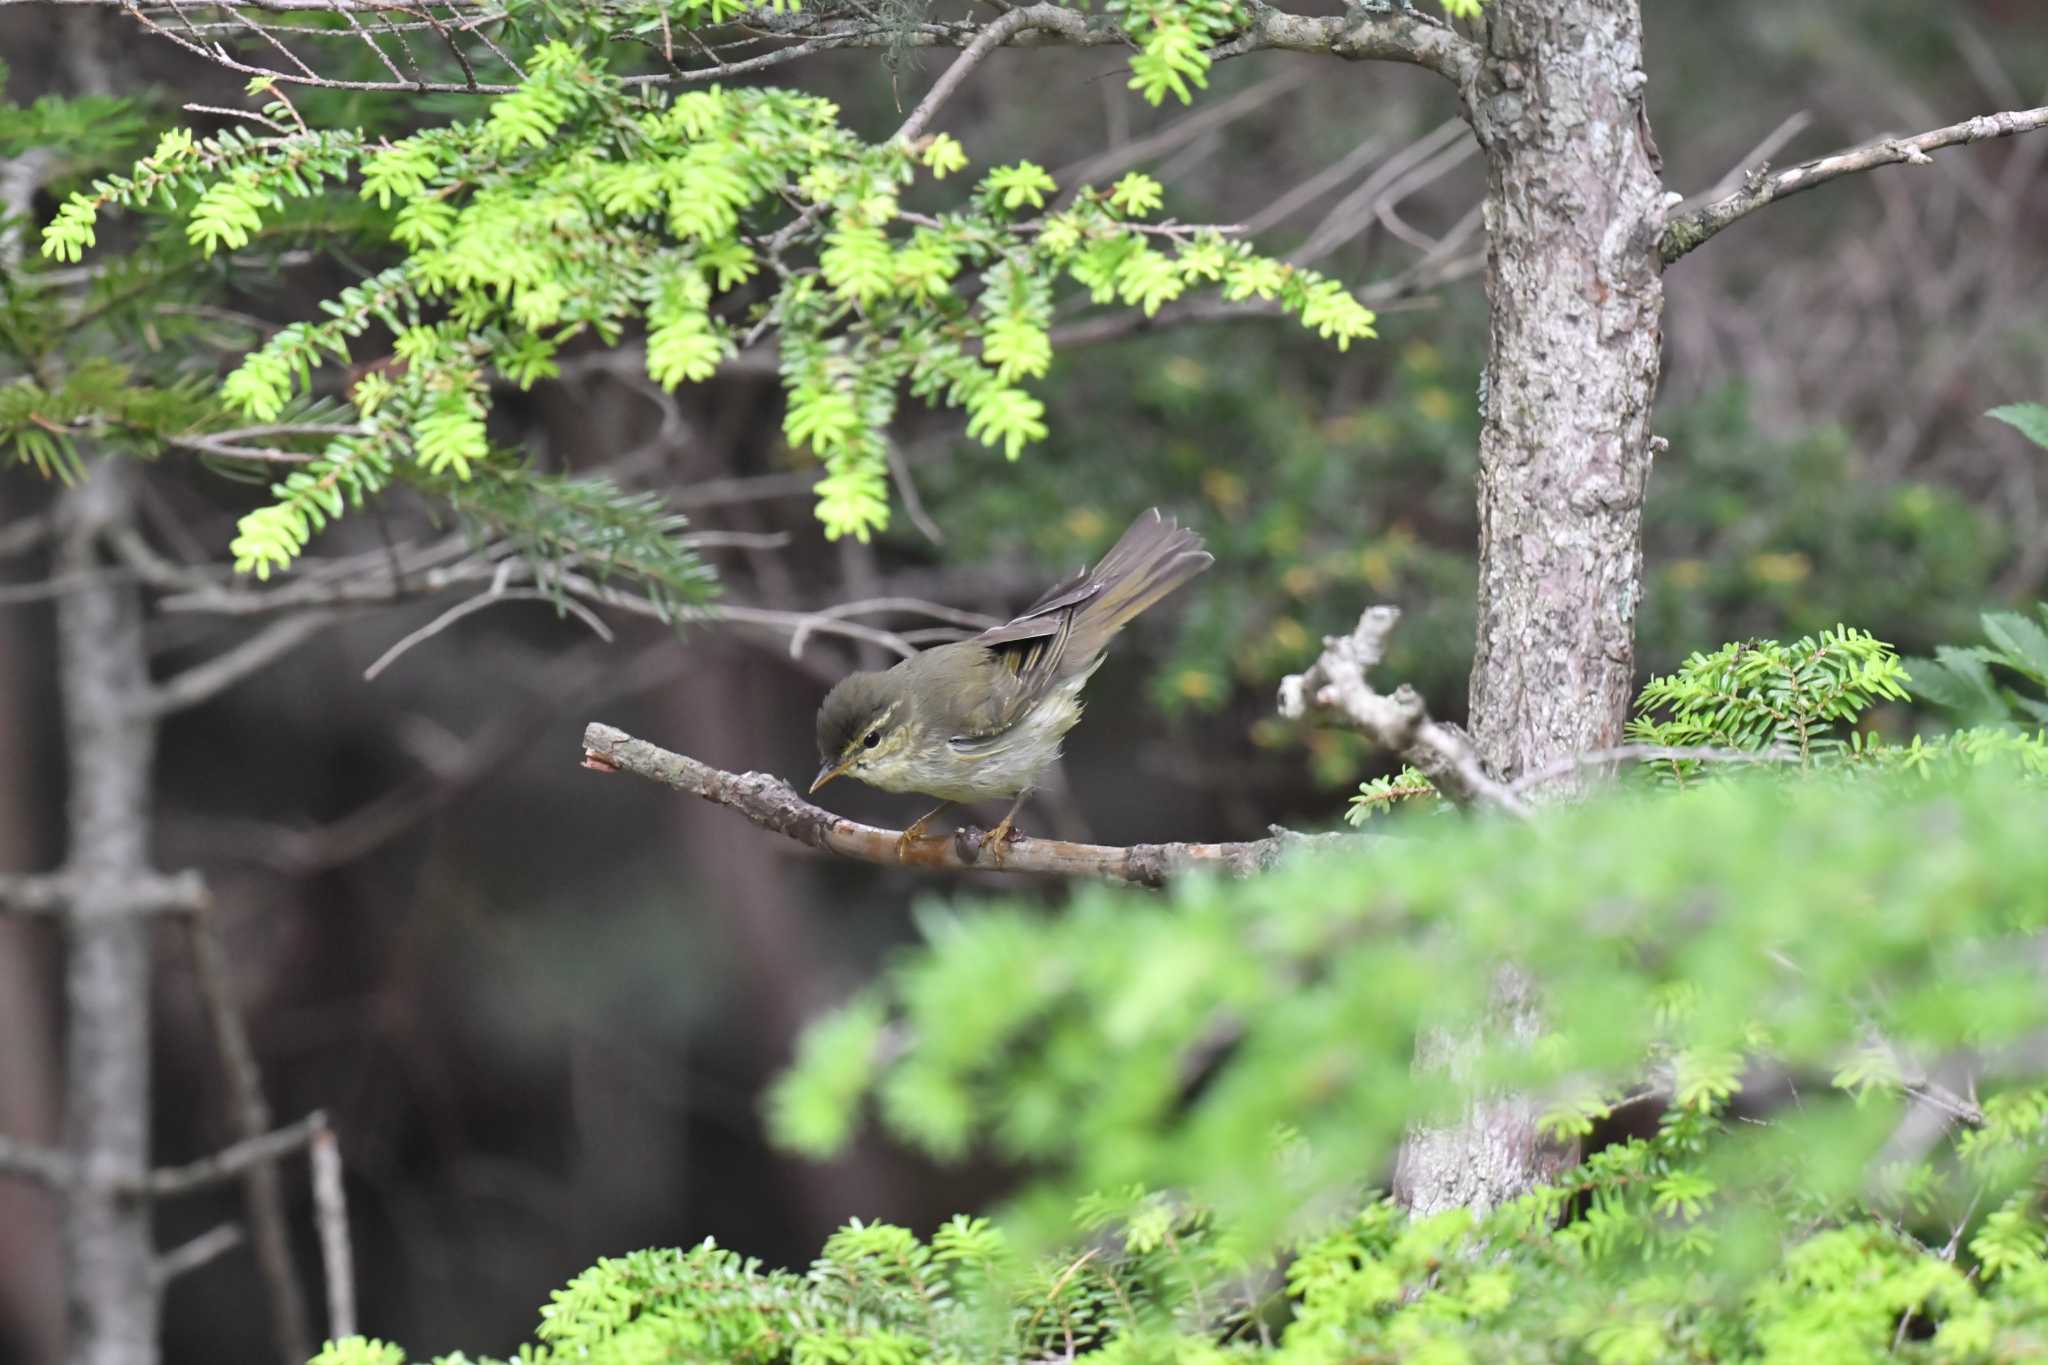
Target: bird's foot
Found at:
1000, 838
911, 836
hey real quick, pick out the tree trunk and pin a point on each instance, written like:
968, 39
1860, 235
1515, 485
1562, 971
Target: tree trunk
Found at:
102, 672
1494, 1153
31, 1272
1573, 206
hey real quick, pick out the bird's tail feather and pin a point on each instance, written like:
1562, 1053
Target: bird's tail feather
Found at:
1153, 558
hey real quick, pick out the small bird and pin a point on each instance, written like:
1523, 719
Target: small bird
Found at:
983, 718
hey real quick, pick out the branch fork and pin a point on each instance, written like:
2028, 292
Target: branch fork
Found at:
1336, 687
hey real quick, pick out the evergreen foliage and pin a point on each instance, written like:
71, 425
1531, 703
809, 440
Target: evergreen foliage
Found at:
1765, 1024
581, 203
1758, 989
95, 370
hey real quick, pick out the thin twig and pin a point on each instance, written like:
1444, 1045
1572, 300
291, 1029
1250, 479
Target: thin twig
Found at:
477, 604
202, 1250
330, 1213
24, 535
869, 606
1404, 35
262, 1185
146, 893
1791, 126
227, 450
735, 540
1688, 228
28, 1161
33, 895
230, 1162
990, 38
203, 682
906, 488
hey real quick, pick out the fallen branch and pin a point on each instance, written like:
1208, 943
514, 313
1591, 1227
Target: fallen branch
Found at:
1335, 687
1686, 228
773, 804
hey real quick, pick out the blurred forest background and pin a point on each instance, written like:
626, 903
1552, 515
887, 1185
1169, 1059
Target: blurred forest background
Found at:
541, 1006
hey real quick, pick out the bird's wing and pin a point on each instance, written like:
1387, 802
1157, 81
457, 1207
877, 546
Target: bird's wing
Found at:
1023, 660
1061, 638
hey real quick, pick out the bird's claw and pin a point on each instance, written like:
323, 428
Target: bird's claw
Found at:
999, 839
909, 838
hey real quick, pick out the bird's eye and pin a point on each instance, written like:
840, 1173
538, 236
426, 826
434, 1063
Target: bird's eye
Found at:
874, 738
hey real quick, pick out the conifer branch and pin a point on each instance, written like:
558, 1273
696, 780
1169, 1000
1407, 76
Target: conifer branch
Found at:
773, 804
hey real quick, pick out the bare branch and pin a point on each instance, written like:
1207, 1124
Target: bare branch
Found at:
906, 488
745, 488
60, 1171
202, 1250
231, 1161
223, 446
477, 604
143, 893
938, 611
1005, 28
262, 1185
1404, 35
1102, 166
1791, 126
774, 805
24, 535
330, 1213
1335, 686
33, 895
45, 1165
1429, 157
203, 682
1688, 228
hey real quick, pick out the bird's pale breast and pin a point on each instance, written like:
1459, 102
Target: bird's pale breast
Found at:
1000, 766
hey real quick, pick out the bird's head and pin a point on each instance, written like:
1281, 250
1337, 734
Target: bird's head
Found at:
864, 730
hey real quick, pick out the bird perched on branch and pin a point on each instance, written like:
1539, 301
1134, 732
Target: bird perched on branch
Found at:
983, 718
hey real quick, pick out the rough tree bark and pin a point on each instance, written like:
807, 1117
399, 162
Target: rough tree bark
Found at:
1573, 209
103, 674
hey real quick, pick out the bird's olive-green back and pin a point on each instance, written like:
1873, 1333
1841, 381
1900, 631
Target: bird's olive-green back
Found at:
978, 688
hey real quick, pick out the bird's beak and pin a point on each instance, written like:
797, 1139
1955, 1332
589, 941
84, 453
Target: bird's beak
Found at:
829, 771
